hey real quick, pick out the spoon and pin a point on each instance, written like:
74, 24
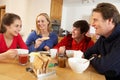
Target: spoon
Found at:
89, 59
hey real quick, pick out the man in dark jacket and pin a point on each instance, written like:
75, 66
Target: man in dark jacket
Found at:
106, 21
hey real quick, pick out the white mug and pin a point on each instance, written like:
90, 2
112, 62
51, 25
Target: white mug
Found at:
53, 53
78, 54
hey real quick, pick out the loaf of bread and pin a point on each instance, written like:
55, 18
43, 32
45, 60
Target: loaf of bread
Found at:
40, 64
45, 38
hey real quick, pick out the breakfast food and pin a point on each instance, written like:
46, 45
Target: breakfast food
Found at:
40, 64
37, 65
45, 38
34, 54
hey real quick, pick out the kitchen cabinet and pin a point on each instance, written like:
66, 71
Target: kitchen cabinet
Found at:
2, 12
56, 9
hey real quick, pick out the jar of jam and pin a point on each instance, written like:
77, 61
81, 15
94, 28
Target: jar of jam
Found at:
61, 61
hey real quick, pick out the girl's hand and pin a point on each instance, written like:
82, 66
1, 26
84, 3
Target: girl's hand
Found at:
11, 53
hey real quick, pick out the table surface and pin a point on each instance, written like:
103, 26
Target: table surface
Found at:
15, 71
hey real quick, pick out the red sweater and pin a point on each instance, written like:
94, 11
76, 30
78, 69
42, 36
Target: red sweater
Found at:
71, 44
17, 42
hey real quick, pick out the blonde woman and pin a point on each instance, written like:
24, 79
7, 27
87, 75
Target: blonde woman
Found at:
42, 39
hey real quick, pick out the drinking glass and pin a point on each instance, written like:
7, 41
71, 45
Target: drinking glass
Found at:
23, 58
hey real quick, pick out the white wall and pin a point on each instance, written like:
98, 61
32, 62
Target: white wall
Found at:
76, 11
72, 14
35, 8
27, 10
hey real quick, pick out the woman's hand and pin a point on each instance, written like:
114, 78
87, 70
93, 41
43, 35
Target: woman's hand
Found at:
46, 48
38, 42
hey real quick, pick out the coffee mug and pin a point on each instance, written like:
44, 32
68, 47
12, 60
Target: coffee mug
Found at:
23, 56
53, 53
78, 54
23, 59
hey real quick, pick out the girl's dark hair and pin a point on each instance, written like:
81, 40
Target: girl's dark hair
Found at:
83, 25
7, 20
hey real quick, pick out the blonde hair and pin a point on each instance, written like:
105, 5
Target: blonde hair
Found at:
47, 18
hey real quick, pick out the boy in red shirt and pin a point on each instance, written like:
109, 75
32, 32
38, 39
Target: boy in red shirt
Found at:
78, 39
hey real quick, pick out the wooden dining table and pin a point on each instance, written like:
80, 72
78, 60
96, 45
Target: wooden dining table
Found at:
14, 71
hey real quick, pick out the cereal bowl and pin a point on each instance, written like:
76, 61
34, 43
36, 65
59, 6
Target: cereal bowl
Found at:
78, 65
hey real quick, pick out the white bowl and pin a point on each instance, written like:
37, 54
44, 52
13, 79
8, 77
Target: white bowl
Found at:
78, 65
69, 53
